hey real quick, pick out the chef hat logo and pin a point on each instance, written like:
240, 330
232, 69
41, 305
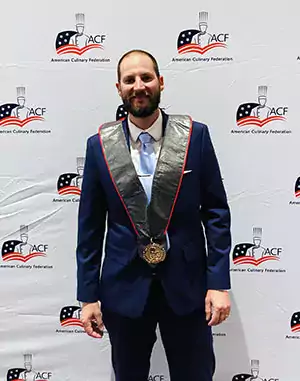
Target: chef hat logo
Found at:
80, 18
203, 17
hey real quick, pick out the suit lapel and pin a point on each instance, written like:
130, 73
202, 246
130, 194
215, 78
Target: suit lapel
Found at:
126, 132
164, 122
169, 172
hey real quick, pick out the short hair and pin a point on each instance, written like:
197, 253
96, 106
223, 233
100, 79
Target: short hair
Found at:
139, 51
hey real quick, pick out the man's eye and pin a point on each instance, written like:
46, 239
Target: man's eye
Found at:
147, 78
128, 80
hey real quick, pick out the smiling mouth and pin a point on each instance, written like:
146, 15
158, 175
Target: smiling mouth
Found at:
139, 98
140, 95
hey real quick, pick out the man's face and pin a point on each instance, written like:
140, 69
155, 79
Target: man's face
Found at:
80, 171
203, 28
24, 238
257, 242
139, 87
262, 100
80, 28
21, 101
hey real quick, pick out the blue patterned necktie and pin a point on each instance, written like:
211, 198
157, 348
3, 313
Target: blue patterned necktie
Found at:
147, 166
147, 162
147, 154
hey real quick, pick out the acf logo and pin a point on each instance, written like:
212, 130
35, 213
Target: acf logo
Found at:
156, 377
70, 183
294, 326
254, 253
27, 373
259, 114
200, 40
18, 114
77, 42
70, 316
21, 250
254, 375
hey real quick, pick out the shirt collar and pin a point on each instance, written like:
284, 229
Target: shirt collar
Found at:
155, 130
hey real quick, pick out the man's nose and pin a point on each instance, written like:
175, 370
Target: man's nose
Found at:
139, 84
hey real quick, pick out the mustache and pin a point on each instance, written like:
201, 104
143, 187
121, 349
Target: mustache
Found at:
139, 93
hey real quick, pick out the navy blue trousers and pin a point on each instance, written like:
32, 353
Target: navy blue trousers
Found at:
187, 341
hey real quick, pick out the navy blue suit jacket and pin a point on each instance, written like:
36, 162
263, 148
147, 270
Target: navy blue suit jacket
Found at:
199, 233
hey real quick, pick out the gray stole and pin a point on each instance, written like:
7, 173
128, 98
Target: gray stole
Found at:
150, 222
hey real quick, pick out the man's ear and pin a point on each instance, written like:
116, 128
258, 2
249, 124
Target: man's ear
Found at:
162, 83
118, 88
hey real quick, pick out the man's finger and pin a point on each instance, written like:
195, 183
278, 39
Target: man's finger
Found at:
89, 329
93, 333
87, 326
227, 313
215, 318
96, 335
223, 316
99, 320
97, 329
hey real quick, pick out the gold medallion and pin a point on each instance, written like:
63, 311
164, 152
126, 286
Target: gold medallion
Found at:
154, 253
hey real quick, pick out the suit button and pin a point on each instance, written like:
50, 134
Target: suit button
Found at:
153, 273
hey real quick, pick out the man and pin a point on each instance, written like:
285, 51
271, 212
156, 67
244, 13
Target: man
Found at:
156, 269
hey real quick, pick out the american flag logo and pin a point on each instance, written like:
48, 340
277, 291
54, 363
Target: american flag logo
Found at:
6, 119
64, 184
18, 374
297, 187
63, 45
295, 322
244, 117
240, 256
241, 377
67, 317
14, 374
10, 253
121, 113
185, 45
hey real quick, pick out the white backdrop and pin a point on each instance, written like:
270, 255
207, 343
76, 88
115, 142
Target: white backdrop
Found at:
67, 96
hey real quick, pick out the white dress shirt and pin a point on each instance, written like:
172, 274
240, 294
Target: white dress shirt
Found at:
155, 131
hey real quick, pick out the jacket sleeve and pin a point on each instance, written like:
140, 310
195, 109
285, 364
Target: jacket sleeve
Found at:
91, 229
215, 217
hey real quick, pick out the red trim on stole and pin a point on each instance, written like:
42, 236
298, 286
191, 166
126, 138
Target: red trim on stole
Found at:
113, 181
178, 188
182, 173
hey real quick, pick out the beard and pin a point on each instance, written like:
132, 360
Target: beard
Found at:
142, 111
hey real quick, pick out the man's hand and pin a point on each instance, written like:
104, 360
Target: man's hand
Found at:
91, 318
217, 306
